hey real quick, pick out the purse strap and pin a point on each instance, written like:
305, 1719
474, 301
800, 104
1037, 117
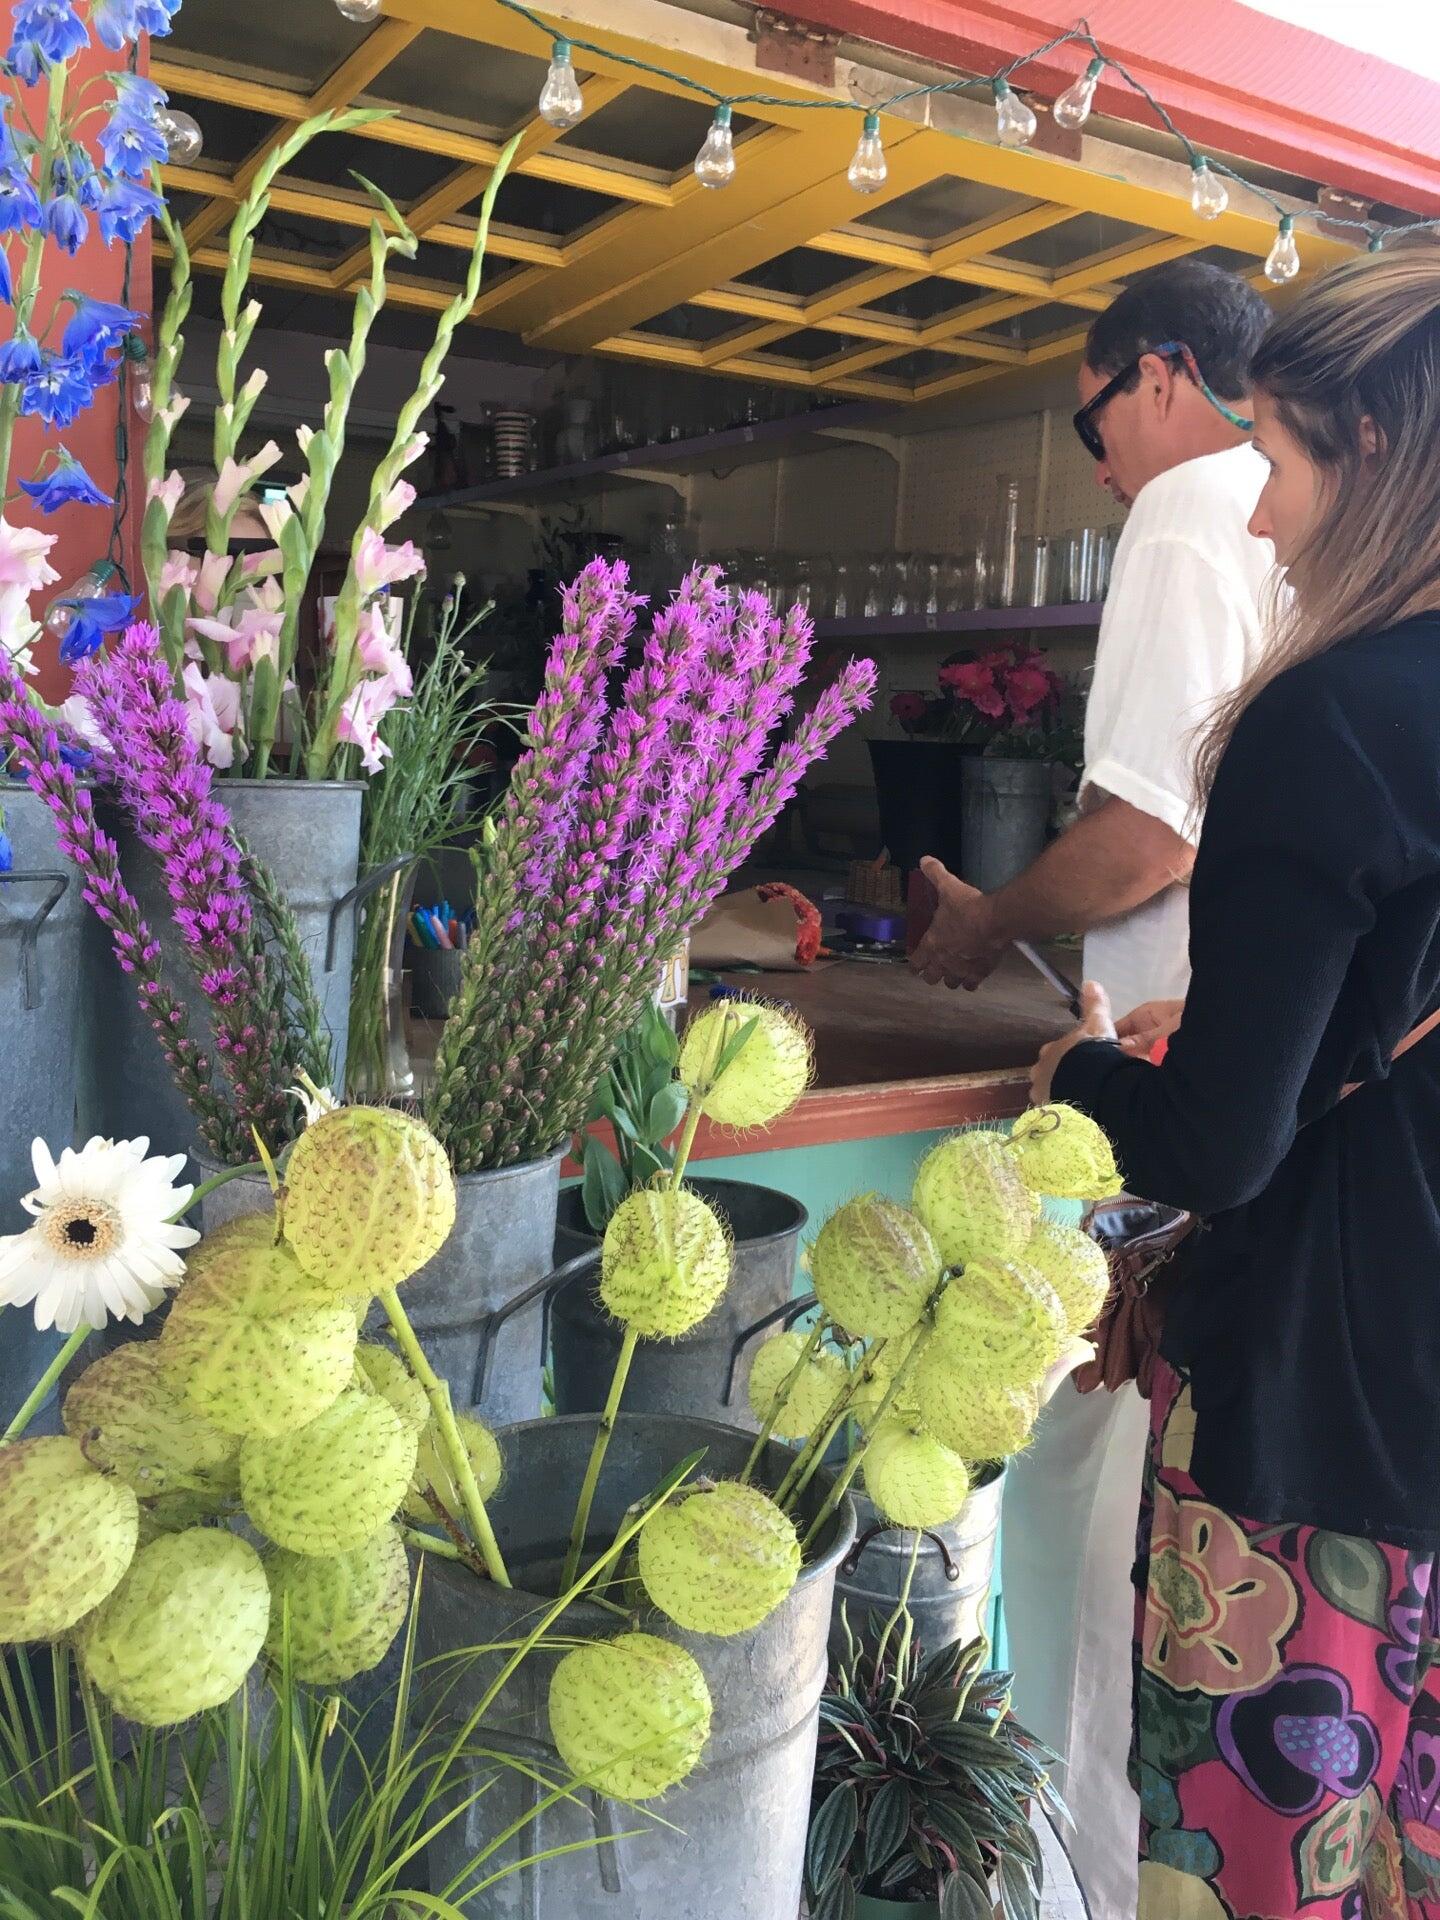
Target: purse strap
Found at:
1412, 1039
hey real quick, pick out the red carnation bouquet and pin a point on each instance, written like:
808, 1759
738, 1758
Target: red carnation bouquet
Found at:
1006, 701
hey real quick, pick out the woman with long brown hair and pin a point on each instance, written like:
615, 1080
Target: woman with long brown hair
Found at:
1288, 1632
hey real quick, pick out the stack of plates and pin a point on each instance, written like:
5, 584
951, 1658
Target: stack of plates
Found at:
514, 443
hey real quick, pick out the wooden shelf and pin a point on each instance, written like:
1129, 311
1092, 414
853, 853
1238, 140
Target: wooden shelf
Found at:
817, 430
894, 626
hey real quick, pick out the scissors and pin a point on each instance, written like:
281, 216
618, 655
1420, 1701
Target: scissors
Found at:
1067, 989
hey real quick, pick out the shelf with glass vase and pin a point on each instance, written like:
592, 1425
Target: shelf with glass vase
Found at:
816, 430
896, 626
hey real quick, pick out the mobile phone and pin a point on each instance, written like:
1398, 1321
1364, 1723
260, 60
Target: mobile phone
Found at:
1067, 989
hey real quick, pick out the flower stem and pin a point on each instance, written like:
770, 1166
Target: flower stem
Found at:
430, 1543
802, 1478
207, 1187
685, 1145
597, 1459
451, 1445
781, 1395
815, 1448
42, 1386
27, 285
901, 1604
852, 1465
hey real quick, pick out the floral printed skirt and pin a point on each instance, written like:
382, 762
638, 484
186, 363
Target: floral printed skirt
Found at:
1287, 1710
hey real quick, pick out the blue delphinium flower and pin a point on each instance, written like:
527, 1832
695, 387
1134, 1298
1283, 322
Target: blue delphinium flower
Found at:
96, 325
91, 621
64, 215
45, 30
7, 852
154, 16
61, 388
142, 96
126, 210
19, 202
77, 757
130, 140
7, 291
86, 184
69, 485
20, 356
114, 22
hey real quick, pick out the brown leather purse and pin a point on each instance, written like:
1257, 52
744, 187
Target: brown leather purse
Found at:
1140, 1240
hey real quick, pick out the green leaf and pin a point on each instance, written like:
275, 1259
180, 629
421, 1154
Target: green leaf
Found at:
409, 245
837, 1902
666, 1111
947, 1816
832, 1834
963, 1899
1019, 1898
732, 1046
603, 1187
887, 1821
661, 1040
645, 1164
657, 1077
1353, 1575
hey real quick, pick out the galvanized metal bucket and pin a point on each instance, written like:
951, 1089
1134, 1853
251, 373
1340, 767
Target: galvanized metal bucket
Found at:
46, 1021
307, 832
729, 1843
707, 1371
950, 1593
479, 1305
1004, 815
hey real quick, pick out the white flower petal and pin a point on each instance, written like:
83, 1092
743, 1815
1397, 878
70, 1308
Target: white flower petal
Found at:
43, 1164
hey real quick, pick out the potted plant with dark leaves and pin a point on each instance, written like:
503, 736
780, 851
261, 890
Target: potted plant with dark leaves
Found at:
924, 1787
646, 1105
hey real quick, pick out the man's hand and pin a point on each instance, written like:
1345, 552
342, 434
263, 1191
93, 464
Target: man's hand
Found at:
961, 946
1139, 1031
1095, 1024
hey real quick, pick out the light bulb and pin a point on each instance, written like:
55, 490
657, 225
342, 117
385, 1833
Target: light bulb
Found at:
362, 12
1376, 243
1072, 109
868, 169
1208, 197
90, 586
561, 102
1015, 124
715, 162
1282, 263
142, 392
182, 135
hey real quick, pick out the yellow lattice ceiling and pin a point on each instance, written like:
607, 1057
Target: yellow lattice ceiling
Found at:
971, 261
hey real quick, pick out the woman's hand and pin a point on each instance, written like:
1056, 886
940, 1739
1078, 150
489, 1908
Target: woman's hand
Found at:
1139, 1031
1096, 1023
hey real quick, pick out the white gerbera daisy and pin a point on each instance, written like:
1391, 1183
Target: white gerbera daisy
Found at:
102, 1246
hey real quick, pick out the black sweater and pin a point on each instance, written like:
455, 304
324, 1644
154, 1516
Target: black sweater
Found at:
1308, 1312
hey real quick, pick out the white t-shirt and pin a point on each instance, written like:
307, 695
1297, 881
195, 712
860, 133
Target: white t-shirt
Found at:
1181, 628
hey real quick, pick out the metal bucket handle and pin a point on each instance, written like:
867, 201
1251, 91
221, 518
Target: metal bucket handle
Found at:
30, 932
352, 901
545, 1290
602, 1813
852, 1559
789, 1314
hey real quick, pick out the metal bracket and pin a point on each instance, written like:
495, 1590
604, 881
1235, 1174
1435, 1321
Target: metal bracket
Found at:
852, 1559
789, 1314
792, 47
545, 1290
30, 932
352, 901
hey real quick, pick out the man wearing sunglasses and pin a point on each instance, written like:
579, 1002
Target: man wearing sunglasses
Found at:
1164, 416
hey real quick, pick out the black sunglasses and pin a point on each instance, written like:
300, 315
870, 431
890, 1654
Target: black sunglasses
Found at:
1087, 419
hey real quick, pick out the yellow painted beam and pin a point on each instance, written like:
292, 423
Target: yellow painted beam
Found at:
384, 43
1120, 264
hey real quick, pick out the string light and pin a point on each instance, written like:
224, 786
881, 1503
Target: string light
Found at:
1208, 196
561, 103
362, 12
91, 585
1015, 124
715, 162
868, 169
141, 383
1072, 109
181, 133
1282, 263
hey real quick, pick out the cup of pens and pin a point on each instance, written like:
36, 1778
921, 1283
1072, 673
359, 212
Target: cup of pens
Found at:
437, 943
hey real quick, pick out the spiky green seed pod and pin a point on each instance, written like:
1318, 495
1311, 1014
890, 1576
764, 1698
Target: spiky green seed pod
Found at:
976, 1421
183, 1628
249, 1343
810, 1397
665, 1262
970, 1195
328, 1487
343, 1610
126, 1411
1003, 1323
178, 1512
719, 1560
1061, 1152
763, 1080
67, 1534
630, 1716
378, 1370
1076, 1267
882, 1365
369, 1196
912, 1478
874, 1265
432, 1469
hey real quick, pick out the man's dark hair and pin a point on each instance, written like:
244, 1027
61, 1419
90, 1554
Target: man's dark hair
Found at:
1219, 316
